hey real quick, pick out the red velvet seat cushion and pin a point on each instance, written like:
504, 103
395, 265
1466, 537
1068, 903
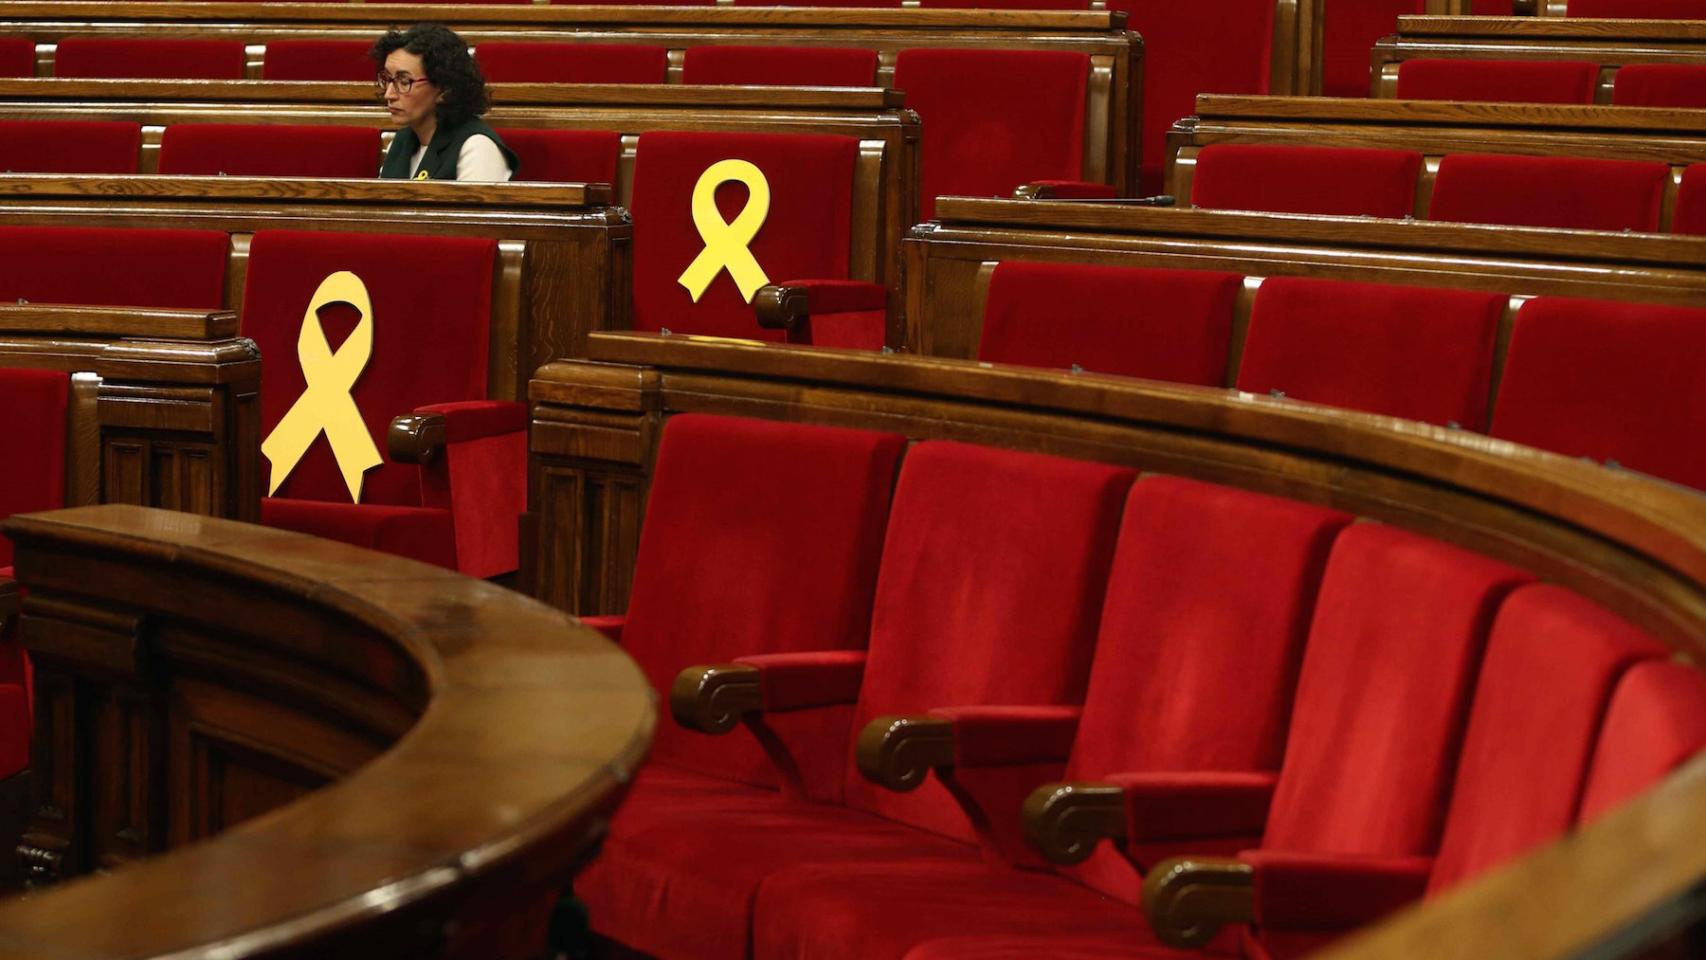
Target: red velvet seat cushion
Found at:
1349, 31
1162, 324
419, 533
1656, 722
1413, 352
69, 146
1321, 180
1576, 193
32, 447
1552, 662
429, 339
995, 119
1690, 214
317, 60
1606, 380
1638, 9
17, 57
565, 156
138, 268
269, 150
780, 66
151, 58
1504, 81
506, 62
807, 234
1660, 85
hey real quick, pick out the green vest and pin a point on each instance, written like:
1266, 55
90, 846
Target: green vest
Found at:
439, 163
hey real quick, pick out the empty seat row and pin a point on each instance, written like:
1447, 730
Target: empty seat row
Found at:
1551, 81
919, 655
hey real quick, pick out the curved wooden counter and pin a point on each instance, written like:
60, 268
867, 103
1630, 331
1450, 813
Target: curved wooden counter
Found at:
195, 672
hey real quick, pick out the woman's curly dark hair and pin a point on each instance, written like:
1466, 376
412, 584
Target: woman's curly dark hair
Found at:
449, 66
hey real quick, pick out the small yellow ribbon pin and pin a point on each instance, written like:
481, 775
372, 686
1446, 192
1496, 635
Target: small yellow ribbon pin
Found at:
326, 404
726, 243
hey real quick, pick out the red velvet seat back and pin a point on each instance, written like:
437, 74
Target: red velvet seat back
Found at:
504, 62
565, 156
269, 150
151, 59
995, 120
32, 447
431, 299
1176, 647
1349, 31
1421, 353
1656, 722
17, 57
990, 590
1660, 85
1690, 213
1552, 662
1320, 180
780, 66
98, 266
69, 146
317, 60
1575, 193
807, 234
1617, 381
1192, 48
760, 537
1637, 9
1162, 324
1503, 81
1382, 700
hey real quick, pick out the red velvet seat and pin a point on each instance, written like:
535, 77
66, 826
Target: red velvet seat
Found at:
69, 146
1660, 85
269, 150
17, 57
804, 241
152, 58
1163, 324
1349, 31
995, 120
1320, 180
1577, 193
521, 62
327, 60
780, 66
429, 346
565, 156
1612, 381
1638, 9
1502, 81
136, 268
1421, 353
1656, 722
1690, 214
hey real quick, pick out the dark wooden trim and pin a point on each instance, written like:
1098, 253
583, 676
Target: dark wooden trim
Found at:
1551, 28
415, 438
713, 699
898, 752
117, 322
1065, 821
1189, 899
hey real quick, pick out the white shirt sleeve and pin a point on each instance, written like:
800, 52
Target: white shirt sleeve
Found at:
481, 160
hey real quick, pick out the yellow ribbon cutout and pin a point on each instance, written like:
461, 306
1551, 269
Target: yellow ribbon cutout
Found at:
726, 243
326, 404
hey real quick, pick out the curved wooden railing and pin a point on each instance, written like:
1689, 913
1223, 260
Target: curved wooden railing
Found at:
200, 678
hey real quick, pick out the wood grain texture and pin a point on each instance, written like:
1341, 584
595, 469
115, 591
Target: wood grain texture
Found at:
117, 322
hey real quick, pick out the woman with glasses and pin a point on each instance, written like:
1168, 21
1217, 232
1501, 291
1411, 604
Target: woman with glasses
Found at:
432, 86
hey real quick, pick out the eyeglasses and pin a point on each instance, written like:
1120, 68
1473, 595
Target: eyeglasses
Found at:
403, 84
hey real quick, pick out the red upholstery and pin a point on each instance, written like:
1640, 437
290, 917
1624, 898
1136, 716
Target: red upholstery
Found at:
69, 146
565, 156
317, 60
1690, 213
32, 446
1577, 193
151, 58
427, 534
134, 268
1656, 722
17, 57
481, 478
504, 62
269, 150
806, 235
1321, 180
1616, 381
1638, 9
1350, 29
1421, 353
1660, 85
1163, 324
995, 119
1192, 48
782, 66
1506, 81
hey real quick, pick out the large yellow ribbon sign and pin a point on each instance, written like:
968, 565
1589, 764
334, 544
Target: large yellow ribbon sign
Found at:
326, 404
726, 243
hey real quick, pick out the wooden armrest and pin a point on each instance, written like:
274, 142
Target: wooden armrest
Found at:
781, 308
712, 699
415, 438
1188, 899
898, 752
1065, 821
159, 324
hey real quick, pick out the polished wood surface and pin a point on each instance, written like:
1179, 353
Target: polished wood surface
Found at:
379, 755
